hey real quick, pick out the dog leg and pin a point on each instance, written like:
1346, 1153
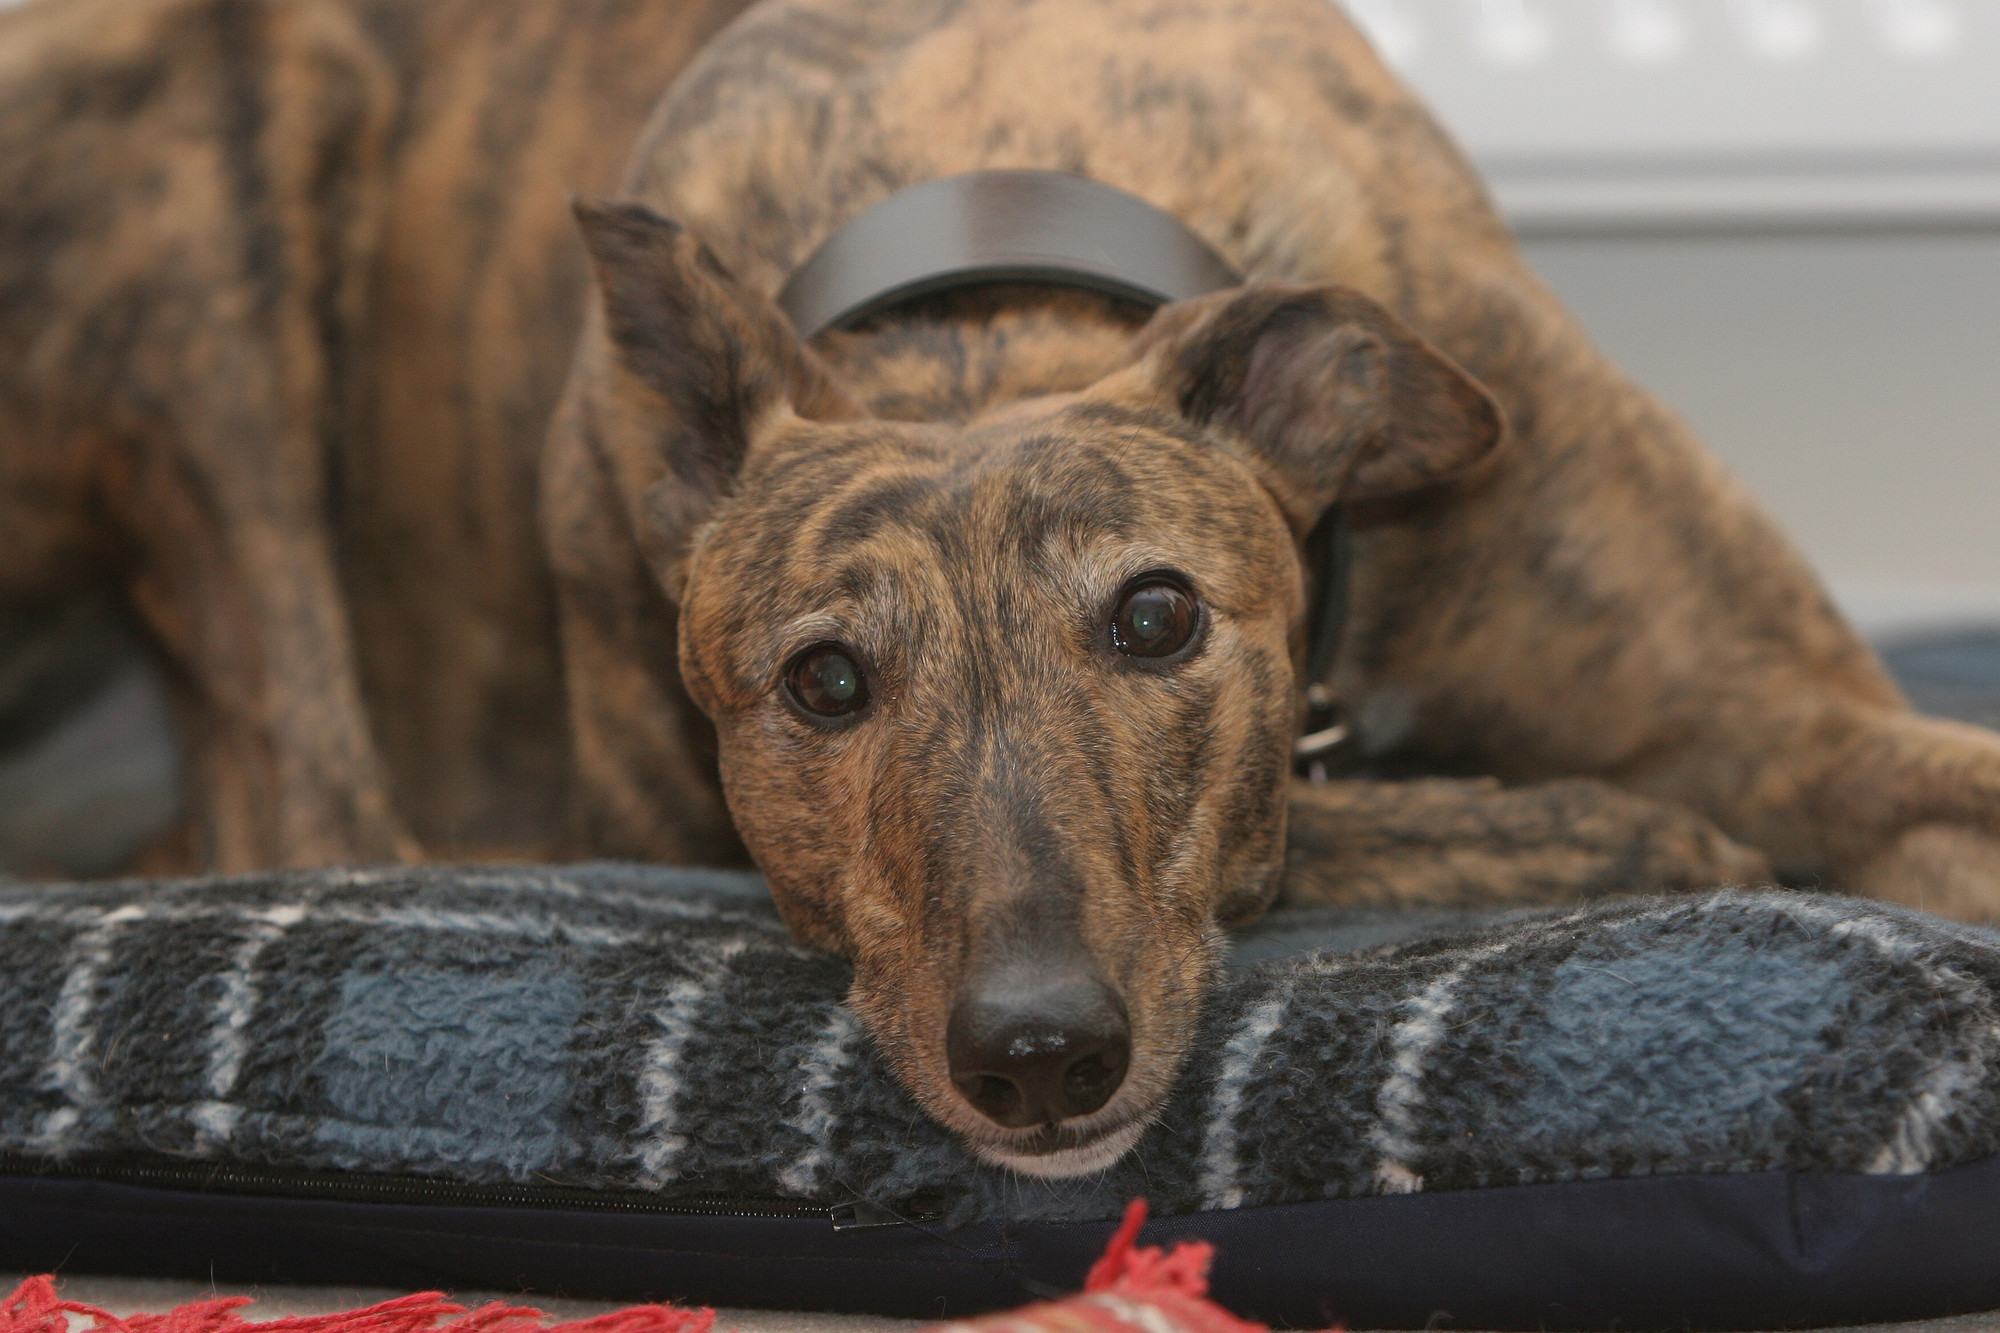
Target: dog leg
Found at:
1475, 842
1607, 602
1912, 806
185, 204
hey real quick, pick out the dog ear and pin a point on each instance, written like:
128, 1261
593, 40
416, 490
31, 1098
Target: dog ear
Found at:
694, 369
1334, 398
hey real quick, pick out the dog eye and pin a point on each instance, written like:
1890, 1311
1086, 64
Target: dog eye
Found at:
1155, 618
825, 679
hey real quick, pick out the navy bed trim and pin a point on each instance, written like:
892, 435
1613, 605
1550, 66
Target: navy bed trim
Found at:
1755, 1250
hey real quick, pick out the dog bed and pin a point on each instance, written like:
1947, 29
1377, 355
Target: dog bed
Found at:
1733, 1109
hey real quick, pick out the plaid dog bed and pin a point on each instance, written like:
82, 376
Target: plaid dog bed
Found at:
1724, 1109
655, 1031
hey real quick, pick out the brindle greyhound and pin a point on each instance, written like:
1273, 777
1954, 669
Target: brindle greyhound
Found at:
981, 623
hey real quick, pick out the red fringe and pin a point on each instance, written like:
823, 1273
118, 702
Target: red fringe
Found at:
36, 1308
1132, 1289
1172, 1282
1150, 1272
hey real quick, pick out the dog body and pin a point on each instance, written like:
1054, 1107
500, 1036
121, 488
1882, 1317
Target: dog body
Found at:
283, 367
290, 289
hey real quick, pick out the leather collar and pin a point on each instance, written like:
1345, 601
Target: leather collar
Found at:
1001, 226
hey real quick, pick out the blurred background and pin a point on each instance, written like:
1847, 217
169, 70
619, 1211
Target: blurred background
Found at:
1783, 216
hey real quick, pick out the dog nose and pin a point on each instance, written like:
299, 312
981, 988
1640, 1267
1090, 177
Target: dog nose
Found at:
1028, 1049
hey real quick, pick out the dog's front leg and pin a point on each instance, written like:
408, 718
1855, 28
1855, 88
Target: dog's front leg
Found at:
196, 184
1474, 842
245, 599
1607, 602
1916, 802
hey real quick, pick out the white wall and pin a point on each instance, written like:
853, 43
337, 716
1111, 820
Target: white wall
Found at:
1853, 381
1784, 217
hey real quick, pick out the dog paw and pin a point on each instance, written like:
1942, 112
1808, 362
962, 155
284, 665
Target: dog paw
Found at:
1948, 869
1674, 849
1436, 840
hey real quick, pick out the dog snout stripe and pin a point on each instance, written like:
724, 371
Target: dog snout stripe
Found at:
1256, 781
1104, 775
1177, 778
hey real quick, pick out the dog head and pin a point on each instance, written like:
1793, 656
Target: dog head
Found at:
1005, 706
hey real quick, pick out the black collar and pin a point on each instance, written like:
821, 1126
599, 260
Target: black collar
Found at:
1001, 226
1048, 227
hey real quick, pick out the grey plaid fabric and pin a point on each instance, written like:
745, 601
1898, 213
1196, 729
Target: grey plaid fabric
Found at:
623, 1028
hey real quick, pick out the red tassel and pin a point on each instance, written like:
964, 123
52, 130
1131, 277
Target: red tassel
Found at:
1117, 1256
1131, 1289
36, 1308
1126, 1268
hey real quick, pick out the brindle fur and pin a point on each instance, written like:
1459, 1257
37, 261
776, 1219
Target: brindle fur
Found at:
287, 288
278, 365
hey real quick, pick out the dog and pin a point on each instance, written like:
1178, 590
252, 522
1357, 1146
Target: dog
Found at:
471, 523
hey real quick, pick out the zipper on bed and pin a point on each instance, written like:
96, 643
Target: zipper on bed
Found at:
342, 1187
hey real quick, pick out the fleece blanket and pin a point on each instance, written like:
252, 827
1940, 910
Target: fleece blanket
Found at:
654, 1033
